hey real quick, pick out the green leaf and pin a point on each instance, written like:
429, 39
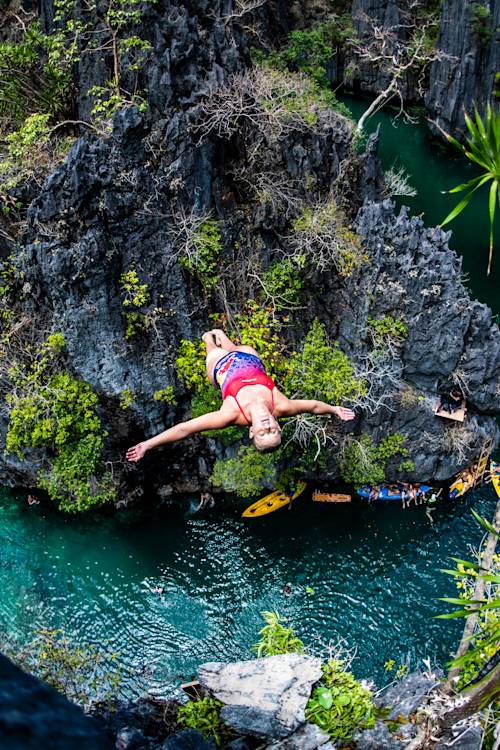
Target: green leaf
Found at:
463, 203
343, 700
325, 698
486, 524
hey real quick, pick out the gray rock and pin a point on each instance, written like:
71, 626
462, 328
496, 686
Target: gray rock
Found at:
263, 697
377, 738
465, 739
33, 716
407, 695
307, 737
466, 74
130, 739
188, 739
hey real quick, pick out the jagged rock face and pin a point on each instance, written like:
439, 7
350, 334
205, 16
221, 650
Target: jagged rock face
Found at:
466, 74
450, 338
111, 207
34, 716
263, 697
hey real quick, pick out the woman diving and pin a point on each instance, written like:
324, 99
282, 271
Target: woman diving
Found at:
249, 398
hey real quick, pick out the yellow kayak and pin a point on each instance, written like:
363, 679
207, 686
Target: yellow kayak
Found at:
272, 502
495, 476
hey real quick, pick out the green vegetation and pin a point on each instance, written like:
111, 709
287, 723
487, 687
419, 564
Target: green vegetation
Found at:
166, 395
135, 295
246, 474
29, 82
36, 91
57, 412
103, 29
365, 463
483, 644
127, 398
309, 51
323, 236
481, 22
339, 704
83, 673
258, 327
282, 283
202, 252
204, 715
276, 637
322, 371
483, 148
388, 327
30, 150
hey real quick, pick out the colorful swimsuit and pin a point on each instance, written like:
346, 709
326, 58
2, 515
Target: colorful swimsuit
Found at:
238, 369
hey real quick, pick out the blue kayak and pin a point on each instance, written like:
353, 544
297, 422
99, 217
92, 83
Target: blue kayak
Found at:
389, 492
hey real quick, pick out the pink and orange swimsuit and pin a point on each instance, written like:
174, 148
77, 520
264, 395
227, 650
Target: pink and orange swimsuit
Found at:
238, 369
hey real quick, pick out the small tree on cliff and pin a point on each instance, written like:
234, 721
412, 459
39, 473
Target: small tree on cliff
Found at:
397, 51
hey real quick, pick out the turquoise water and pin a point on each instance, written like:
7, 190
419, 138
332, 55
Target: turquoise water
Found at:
373, 570
433, 167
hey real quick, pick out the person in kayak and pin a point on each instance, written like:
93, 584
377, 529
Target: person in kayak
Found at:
249, 397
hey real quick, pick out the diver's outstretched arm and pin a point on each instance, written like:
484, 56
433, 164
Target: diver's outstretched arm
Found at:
288, 407
215, 420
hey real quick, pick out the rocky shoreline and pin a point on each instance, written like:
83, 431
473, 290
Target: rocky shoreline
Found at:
263, 703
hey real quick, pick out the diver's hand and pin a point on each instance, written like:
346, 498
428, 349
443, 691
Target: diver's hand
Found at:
342, 413
137, 452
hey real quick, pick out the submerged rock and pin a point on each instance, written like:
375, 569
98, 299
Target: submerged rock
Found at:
263, 697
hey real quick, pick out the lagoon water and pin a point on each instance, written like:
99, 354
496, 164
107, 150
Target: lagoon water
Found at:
167, 589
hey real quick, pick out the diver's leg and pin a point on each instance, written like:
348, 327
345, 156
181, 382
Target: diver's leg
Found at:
214, 353
223, 340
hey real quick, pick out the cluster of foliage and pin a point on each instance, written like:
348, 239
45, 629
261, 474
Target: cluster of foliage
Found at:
54, 411
365, 463
322, 234
83, 673
321, 370
339, 704
482, 147
258, 327
127, 398
36, 92
165, 395
201, 253
282, 283
484, 642
481, 22
30, 149
246, 474
276, 637
309, 51
388, 327
102, 29
29, 80
135, 295
8, 276
204, 715
303, 101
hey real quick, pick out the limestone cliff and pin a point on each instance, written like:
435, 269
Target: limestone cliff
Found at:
116, 204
